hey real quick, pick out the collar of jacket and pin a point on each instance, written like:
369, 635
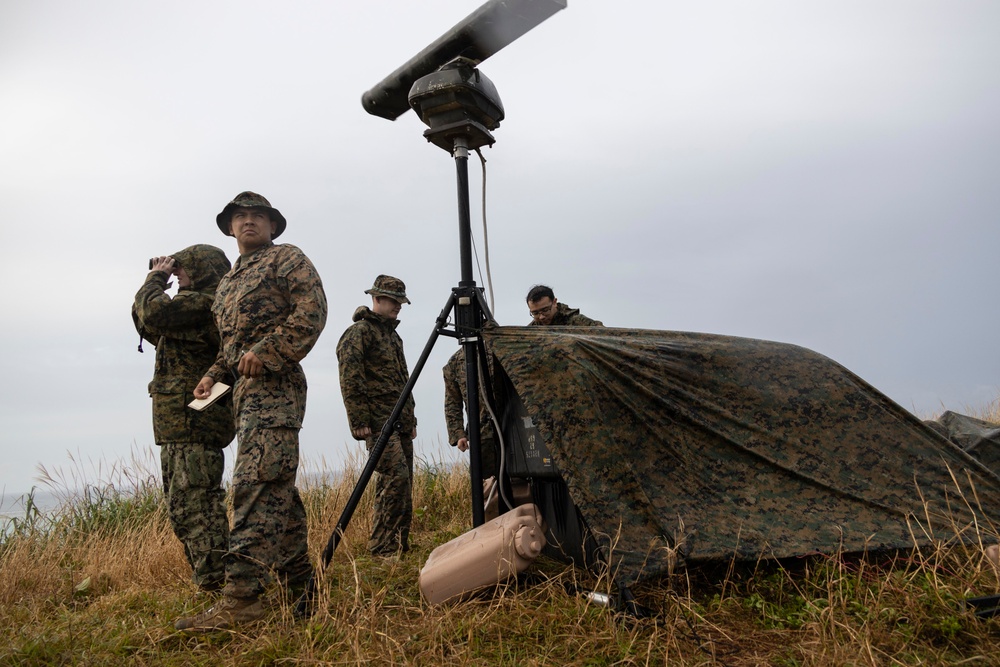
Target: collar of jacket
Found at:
366, 313
254, 257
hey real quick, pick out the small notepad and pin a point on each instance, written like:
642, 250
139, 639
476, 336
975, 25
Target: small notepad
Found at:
219, 390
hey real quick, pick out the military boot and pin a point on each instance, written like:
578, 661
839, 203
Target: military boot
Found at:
224, 615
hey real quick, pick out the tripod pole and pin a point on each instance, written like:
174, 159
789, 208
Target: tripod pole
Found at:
461, 154
470, 314
469, 320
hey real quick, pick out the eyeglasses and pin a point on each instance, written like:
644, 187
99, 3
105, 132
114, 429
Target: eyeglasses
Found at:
538, 312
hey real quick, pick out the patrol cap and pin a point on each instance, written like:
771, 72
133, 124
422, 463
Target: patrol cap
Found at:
390, 287
250, 200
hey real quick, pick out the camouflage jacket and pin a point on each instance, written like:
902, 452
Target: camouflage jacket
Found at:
373, 372
571, 317
455, 400
186, 340
272, 303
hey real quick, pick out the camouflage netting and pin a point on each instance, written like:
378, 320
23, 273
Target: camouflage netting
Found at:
715, 447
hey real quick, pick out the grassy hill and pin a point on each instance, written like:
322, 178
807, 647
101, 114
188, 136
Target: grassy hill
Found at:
101, 580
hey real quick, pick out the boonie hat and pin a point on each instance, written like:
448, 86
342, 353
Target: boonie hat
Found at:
390, 287
250, 200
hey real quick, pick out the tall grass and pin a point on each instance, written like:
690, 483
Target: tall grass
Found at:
103, 578
990, 413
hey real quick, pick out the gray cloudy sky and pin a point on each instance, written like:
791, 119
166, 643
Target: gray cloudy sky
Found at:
820, 173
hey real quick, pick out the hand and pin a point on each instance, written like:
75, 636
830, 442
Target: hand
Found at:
250, 365
204, 387
463, 444
362, 433
164, 264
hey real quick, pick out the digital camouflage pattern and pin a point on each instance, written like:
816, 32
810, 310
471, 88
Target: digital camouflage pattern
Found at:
456, 405
680, 447
373, 371
250, 200
569, 317
373, 374
393, 511
269, 537
456, 399
186, 340
196, 504
384, 285
271, 303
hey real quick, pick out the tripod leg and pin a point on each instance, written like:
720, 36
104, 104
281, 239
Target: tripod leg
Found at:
302, 607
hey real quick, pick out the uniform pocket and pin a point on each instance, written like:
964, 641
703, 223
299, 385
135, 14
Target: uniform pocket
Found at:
267, 455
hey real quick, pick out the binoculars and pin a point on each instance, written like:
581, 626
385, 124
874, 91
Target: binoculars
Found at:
172, 267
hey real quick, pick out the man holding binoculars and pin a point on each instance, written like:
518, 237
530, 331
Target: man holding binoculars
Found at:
184, 334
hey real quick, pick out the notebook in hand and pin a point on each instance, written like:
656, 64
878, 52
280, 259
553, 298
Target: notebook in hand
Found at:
219, 390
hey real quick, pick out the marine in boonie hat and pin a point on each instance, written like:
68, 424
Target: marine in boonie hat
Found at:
390, 287
250, 200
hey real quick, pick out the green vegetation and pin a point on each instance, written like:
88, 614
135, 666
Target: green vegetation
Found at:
101, 580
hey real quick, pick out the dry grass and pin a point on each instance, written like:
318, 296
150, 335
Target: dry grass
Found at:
990, 413
103, 581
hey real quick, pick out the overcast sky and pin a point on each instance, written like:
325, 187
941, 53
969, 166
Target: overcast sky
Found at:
821, 173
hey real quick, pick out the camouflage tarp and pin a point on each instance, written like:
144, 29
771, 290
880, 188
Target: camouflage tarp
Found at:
700, 447
975, 436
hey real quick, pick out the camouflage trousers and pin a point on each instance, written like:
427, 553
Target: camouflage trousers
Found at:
269, 539
393, 496
196, 504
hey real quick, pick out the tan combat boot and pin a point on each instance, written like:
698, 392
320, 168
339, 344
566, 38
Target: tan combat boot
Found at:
224, 615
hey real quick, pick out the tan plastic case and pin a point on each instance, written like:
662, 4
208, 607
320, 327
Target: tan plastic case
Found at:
520, 488
484, 556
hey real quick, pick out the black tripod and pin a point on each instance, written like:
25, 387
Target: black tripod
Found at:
461, 106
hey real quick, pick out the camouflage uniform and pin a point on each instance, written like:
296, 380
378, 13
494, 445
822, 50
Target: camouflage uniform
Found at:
373, 374
191, 442
571, 317
272, 304
454, 400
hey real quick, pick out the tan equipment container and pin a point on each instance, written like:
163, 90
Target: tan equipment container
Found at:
491, 495
485, 556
